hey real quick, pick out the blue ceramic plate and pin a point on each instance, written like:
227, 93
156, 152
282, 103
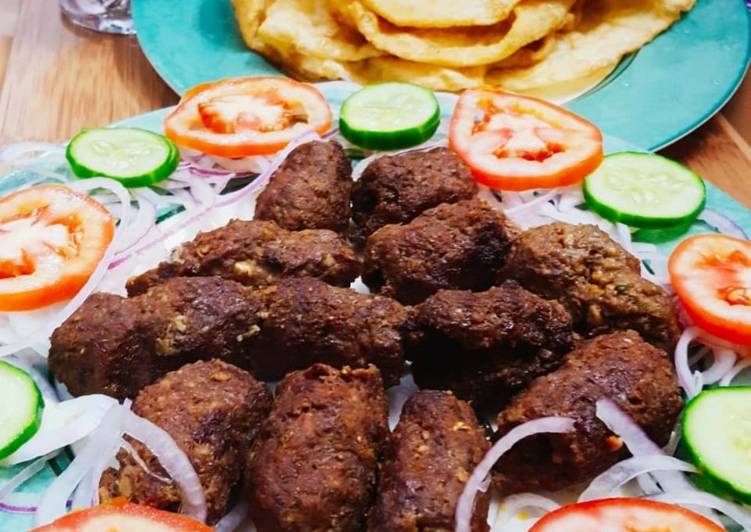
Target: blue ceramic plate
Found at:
656, 96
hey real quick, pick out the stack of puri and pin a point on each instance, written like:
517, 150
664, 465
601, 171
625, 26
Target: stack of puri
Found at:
494, 323
519, 45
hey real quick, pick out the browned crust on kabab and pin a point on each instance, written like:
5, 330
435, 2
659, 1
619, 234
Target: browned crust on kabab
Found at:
117, 346
394, 189
597, 281
460, 245
433, 451
213, 411
313, 467
487, 346
257, 253
311, 189
620, 366
308, 321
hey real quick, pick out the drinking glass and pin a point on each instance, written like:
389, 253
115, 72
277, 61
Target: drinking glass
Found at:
107, 16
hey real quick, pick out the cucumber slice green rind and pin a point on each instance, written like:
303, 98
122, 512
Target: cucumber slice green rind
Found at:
20, 410
645, 190
719, 443
389, 116
135, 157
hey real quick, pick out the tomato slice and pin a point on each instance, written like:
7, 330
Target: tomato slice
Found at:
624, 515
711, 274
51, 240
124, 517
247, 116
519, 143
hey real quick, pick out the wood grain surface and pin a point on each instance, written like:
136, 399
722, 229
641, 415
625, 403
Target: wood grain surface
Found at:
59, 78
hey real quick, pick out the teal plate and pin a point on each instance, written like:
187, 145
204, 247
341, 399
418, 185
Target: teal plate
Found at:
17, 509
655, 97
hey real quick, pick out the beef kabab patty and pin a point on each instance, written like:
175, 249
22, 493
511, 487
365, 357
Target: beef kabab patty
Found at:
311, 189
620, 366
395, 189
213, 411
313, 467
459, 245
257, 253
595, 279
487, 346
428, 460
116, 346
308, 321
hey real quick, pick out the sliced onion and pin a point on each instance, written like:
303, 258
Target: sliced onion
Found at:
722, 223
605, 484
739, 514
26, 473
690, 382
54, 501
249, 165
236, 517
397, 396
143, 465
173, 460
727, 379
724, 361
465, 506
637, 442
525, 208
64, 424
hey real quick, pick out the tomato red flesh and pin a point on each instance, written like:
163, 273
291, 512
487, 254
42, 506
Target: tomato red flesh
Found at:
247, 116
517, 143
624, 515
124, 517
711, 275
51, 240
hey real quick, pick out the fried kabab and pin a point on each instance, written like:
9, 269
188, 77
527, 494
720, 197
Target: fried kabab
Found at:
621, 367
597, 281
117, 346
431, 454
213, 411
311, 189
394, 189
460, 245
487, 346
257, 253
313, 466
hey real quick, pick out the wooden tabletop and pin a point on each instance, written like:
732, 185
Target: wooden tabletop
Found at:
56, 79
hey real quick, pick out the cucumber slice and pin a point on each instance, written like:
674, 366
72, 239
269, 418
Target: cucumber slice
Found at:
20, 408
645, 190
389, 116
717, 435
135, 157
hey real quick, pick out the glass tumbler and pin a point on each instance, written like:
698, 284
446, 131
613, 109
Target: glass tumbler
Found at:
106, 16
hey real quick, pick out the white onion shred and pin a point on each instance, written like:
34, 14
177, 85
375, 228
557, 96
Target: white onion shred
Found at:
172, 459
605, 484
26, 473
737, 513
545, 425
691, 382
235, 517
512, 504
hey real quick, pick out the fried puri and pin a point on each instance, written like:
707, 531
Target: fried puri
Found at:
308, 321
394, 189
116, 346
257, 253
431, 454
620, 366
597, 281
311, 189
461, 246
487, 346
313, 466
213, 411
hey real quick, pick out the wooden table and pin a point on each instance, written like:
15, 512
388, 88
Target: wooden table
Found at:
56, 79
